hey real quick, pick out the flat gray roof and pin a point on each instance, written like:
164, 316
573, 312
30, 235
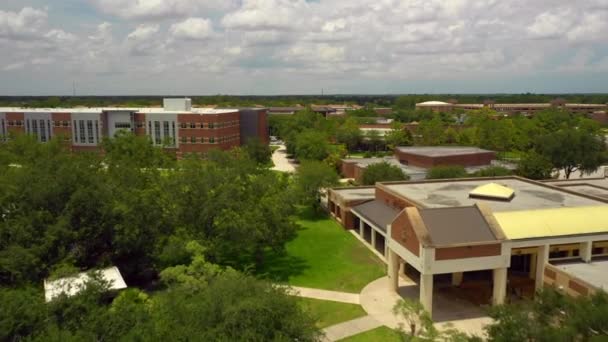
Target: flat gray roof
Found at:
595, 272
377, 213
449, 226
351, 194
588, 189
455, 193
407, 169
441, 151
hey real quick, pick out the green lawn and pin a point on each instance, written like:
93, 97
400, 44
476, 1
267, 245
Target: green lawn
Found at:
384, 334
329, 313
324, 256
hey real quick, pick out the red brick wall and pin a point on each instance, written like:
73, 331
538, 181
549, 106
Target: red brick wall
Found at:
141, 119
263, 126
218, 133
348, 169
391, 199
403, 233
15, 117
60, 130
482, 158
464, 252
601, 118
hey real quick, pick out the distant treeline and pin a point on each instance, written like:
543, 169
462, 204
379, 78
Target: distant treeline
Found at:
399, 101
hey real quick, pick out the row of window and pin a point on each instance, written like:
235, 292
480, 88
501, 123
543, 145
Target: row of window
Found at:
86, 131
210, 140
209, 125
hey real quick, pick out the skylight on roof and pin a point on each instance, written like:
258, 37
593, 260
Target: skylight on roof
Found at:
492, 191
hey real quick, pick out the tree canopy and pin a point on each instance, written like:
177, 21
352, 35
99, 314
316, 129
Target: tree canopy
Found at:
382, 172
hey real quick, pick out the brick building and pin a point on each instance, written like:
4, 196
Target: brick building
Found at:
177, 126
415, 161
514, 108
498, 239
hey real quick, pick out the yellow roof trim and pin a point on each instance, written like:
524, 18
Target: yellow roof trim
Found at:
553, 222
492, 190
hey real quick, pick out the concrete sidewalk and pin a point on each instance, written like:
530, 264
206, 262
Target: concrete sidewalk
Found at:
343, 297
350, 328
281, 163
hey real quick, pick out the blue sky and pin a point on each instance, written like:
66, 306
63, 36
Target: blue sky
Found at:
176, 47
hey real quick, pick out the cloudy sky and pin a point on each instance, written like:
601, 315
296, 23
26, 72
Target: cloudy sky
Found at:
202, 47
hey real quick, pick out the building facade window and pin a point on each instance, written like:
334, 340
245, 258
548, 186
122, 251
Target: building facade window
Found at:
193, 140
81, 131
183, 125
42, 133
75, 132
96, 132
90, 131
184, 140
192, 125
211, 125
166, 130
173, 136
211, 140
157, 140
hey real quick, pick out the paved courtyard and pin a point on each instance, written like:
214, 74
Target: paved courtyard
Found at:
378, 301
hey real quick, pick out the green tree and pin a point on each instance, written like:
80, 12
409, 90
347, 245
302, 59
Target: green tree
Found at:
311, 145
349, 134
552, 316
311, 178
258, 151
431, 132
445, 172
534, 166
572, 149
398, 136
493, 171
374, 140
382, 172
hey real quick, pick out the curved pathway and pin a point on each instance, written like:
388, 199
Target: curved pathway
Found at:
378, 301
281, 163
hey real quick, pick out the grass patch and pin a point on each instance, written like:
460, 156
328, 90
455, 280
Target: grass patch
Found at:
328, 313
325, 256
384, 334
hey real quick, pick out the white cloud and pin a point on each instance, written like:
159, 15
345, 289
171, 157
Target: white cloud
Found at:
160, 9
28, 23
143, 32
301, 42
192, 28
551, 24
267, 15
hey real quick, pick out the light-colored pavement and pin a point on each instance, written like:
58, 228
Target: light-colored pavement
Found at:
343, 297
378, 301
281, 163
350, 328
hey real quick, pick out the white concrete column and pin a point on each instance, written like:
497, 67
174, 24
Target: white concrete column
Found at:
500, 286
402, 264
393, 270
585, 250
542, 258
456, 278
373, 242
361, 227
426, 292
